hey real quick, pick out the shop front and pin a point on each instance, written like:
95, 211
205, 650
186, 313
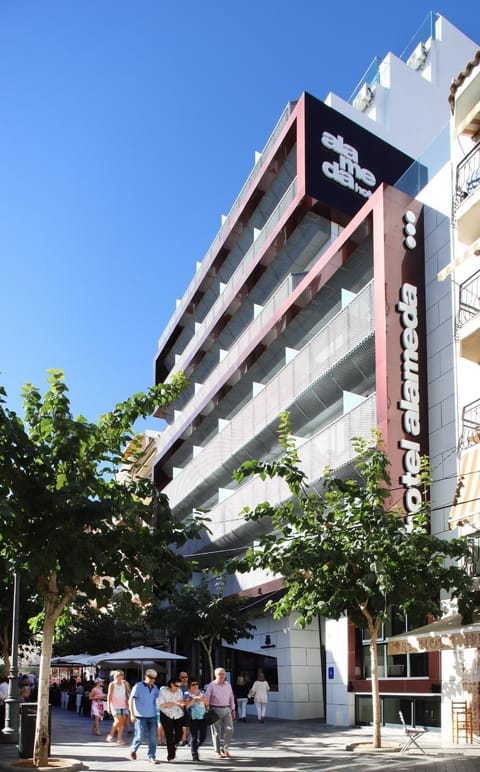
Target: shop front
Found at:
459, 646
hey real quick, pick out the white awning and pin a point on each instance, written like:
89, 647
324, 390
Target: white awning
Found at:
466, 505
442, 635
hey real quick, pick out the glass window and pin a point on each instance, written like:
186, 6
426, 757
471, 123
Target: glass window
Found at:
367, 665
419, 711
427, 712
397, 666
364, 710
418, 665
250, 665
391, 706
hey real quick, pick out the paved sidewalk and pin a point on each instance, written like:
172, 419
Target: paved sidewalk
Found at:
277, 746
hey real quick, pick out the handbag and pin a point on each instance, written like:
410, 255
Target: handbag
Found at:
251, 695
211, 716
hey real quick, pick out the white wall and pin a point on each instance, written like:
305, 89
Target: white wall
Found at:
408, 97
300, 693
340, 702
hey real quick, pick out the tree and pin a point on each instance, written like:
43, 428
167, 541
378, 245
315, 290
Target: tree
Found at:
195, 614
69, 526
349, 550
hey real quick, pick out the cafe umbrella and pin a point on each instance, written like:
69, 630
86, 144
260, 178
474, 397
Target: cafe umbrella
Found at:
141, 657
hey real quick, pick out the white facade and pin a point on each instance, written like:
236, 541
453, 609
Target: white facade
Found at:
282, 315
408, 100
461, 278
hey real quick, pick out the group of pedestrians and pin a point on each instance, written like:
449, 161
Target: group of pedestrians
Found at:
172, 704
181, 707
174, 710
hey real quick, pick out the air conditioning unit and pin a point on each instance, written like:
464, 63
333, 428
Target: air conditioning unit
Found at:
363, 98
417, 59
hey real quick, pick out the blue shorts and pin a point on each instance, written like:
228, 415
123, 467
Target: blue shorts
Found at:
120, 711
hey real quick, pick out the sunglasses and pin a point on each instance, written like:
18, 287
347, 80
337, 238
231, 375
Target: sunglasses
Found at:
194, 683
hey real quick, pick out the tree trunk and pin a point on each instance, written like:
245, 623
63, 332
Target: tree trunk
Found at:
53, 608
208, 651
373, 626
377, 739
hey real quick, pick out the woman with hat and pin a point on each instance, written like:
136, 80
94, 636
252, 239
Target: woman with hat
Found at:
96, 698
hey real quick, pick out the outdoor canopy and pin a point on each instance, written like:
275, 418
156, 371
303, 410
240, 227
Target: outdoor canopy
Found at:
444, 634
137, 656
83, 660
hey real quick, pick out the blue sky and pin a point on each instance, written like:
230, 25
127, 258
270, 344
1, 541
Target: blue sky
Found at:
127, 128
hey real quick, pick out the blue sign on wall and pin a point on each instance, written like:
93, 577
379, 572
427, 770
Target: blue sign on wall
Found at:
331, 673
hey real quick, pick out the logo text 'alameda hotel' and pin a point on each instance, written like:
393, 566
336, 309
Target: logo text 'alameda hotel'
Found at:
409, 404
347, 171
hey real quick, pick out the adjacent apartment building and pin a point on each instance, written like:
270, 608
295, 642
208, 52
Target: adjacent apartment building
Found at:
327, 256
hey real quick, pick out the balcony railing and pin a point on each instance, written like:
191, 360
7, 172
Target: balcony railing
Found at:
468, 176
472, 563
226, 226
237, 279
470, 425
469, 300
371, 76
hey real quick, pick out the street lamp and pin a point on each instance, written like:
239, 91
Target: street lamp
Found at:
11, 701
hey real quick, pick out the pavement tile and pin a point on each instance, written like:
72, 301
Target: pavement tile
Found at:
276, 746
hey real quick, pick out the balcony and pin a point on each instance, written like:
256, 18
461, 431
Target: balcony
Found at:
226, 226
472, 563
468, 318
470, 125
467, 105
470, 425
328, 364
331, 446
467, 197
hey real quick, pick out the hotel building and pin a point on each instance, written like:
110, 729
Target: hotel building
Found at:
329, 252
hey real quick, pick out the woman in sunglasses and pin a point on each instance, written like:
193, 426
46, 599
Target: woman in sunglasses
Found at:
171, 704
196, 704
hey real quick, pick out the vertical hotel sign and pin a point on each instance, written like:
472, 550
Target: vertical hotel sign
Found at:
410, 388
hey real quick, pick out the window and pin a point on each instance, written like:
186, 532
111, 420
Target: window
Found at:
250, 665
418, 711
398, 665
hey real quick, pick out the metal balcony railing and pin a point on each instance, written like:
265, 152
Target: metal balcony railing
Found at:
469, 300
371, 76
237, 279
468, 176
470, 425
472, 562
226, 226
